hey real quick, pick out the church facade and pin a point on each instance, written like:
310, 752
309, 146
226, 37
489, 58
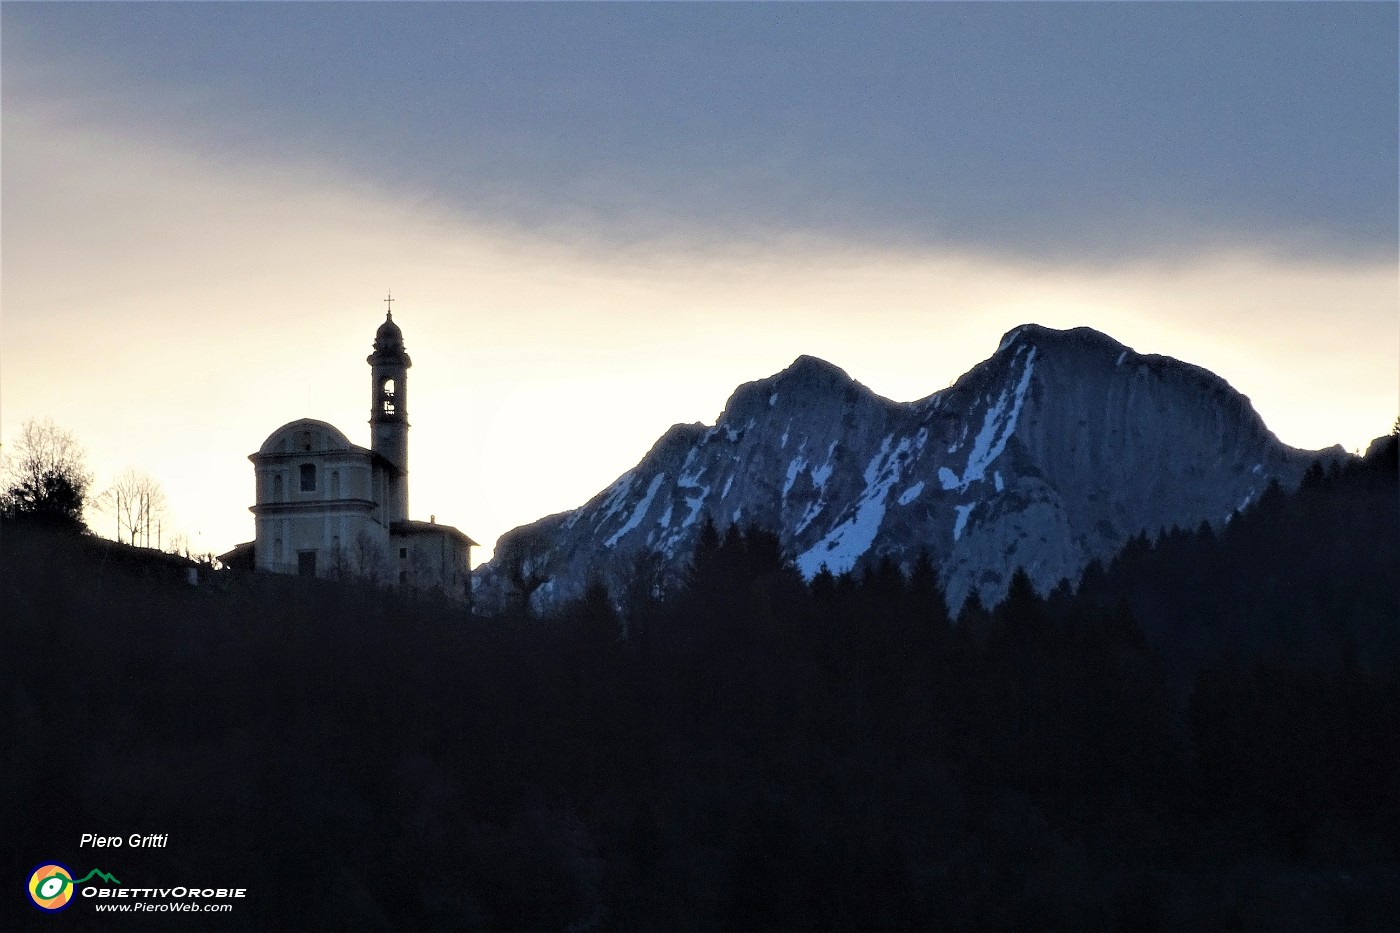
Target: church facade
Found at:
325, 507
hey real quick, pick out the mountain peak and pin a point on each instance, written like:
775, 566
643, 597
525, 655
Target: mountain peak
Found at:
809, 368
806, 379
1038, 335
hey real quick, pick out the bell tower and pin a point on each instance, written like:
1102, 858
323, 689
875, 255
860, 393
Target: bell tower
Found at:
388, 414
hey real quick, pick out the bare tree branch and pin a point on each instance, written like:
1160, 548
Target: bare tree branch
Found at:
139, 505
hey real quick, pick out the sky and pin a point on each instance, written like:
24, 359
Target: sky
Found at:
597, 220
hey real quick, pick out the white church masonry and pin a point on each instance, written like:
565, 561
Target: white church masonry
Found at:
326, 507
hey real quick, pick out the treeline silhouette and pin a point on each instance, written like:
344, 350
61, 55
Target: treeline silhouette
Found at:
1205, 737
1304, 578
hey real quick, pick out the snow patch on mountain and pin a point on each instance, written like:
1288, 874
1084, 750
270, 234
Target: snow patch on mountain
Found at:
845, 543
617, 497
961, 521
823, 473
794, 470
639, 513
997, 427
695, 505
1009, 338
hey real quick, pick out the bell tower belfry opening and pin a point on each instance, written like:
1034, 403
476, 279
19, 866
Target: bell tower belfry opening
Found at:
388, 416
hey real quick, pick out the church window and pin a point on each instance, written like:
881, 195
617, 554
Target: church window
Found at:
403, 577
335, 482
308, 477
403, 553
277, 489
388, 387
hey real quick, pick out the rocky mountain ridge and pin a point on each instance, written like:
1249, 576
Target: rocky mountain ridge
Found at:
1051, 453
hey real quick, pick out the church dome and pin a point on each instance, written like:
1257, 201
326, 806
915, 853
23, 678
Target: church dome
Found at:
305, 435
388, 330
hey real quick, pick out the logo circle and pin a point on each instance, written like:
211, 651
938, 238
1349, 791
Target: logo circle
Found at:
51, 887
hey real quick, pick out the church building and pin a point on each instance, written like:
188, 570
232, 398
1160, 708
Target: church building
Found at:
328, 508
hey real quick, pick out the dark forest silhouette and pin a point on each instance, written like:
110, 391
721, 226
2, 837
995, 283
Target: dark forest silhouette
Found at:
1205, 736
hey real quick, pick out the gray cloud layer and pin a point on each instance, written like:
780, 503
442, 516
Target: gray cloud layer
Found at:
1062, 131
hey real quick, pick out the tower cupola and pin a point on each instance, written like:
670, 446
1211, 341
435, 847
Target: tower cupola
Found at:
388, 337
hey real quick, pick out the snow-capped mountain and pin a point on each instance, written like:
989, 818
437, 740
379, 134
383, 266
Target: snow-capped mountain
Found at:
1052, 452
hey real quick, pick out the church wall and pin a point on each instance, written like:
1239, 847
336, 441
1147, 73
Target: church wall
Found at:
357, 483
433, 561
